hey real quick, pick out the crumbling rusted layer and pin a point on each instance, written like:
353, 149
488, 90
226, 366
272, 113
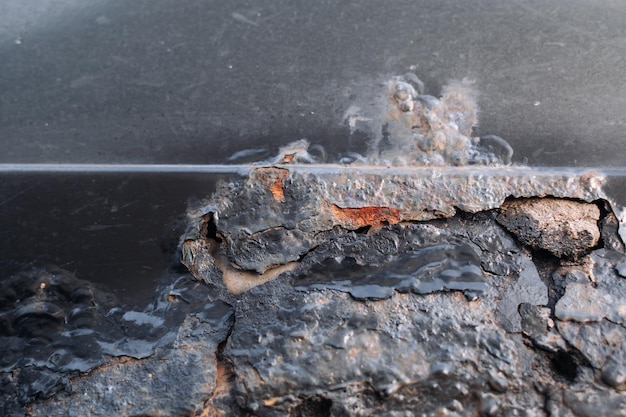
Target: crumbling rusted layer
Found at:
277, 214
355, 218
271, 178
565, 228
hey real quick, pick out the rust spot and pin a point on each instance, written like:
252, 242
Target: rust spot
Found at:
354, 218
288, 158
273, 178
277, 190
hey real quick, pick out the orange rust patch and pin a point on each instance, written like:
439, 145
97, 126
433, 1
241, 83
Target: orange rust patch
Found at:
277, 190
288, 158
354, 218
272, 178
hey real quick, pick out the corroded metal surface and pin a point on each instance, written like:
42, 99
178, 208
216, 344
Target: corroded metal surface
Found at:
425, 278
544, 223
448, 316
55, 328
276, 214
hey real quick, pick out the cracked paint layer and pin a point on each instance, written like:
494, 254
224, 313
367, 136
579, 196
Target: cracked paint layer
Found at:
261, 228
379, 285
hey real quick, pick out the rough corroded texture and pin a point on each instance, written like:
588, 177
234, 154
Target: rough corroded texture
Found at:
44, 350
563, 227
174, 382
265, 225
405, 352
515, 342
328, 339
380, 295
331, 290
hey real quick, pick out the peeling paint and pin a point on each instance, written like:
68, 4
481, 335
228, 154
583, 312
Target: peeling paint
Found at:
383, 284
278, 214
432, 168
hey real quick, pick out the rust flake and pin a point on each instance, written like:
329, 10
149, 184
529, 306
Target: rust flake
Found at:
354, 218
273, 178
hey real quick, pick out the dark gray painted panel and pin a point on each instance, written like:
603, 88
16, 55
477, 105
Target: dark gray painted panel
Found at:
195, 81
